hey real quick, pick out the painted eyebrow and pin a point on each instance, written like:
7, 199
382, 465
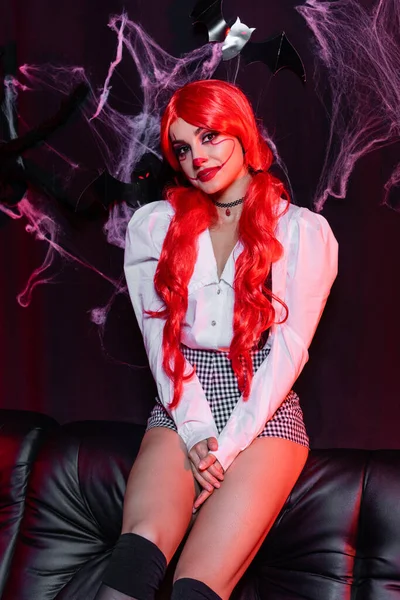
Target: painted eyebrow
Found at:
196, 133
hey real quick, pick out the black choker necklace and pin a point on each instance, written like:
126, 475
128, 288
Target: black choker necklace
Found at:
228, 205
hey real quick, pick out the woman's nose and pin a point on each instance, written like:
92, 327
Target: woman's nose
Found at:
197, 162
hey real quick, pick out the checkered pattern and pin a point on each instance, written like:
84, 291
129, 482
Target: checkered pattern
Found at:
219, 383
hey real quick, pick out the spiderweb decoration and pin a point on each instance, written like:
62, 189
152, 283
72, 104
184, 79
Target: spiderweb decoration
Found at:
122, 140
359, 49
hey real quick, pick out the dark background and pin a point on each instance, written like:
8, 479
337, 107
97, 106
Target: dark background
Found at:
51, 356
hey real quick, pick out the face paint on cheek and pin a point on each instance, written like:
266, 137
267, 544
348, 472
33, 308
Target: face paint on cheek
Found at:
213, 143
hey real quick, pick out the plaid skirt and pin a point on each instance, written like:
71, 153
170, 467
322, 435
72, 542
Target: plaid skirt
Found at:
220, 386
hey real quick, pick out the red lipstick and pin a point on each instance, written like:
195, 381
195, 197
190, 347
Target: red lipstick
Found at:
207, 174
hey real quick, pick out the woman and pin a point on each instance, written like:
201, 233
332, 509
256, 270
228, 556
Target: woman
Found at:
227, 436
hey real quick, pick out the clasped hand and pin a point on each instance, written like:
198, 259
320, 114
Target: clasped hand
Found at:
206, 469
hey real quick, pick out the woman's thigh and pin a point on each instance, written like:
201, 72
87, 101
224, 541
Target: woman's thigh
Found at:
234, 521
160, 491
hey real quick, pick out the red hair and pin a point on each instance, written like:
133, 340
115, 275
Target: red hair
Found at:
219, 106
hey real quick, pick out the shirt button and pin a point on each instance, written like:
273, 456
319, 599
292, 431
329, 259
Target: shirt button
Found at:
218, 290
213, 323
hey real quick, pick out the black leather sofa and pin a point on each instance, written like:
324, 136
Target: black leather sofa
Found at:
61, 493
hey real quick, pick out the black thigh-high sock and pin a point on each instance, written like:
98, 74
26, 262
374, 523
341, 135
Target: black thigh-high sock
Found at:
135, 571
192, 589
107, 593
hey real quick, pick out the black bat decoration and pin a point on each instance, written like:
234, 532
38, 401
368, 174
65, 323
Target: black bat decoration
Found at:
276, 52
16, 176
91, 193
209, 13
148, 180
16, 147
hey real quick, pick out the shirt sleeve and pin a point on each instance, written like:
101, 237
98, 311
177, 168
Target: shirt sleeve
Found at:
145, 235
302, 278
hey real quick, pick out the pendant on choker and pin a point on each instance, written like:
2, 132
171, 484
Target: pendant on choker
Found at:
228, 206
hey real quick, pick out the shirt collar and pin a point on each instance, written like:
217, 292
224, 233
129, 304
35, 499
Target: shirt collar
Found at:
205, 270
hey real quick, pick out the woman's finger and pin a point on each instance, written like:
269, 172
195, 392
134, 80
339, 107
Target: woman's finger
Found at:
216, 472
201, 480
199, 451
207, 461
212, 462
201, 448
212, 443
201, 498
217, 465
209, 477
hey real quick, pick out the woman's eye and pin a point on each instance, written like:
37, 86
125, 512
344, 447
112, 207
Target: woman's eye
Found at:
181, 151
210, 136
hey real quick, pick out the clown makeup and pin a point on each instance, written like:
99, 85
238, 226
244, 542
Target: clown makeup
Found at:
211, 161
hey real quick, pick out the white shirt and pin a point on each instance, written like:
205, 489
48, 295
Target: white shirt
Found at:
302, 278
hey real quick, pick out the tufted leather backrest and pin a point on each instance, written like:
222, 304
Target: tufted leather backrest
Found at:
21, 434
73, 511
311, 549
377, 568
73, 514
337, 537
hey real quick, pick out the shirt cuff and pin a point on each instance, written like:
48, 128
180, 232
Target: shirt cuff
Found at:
192, 435
226, 453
